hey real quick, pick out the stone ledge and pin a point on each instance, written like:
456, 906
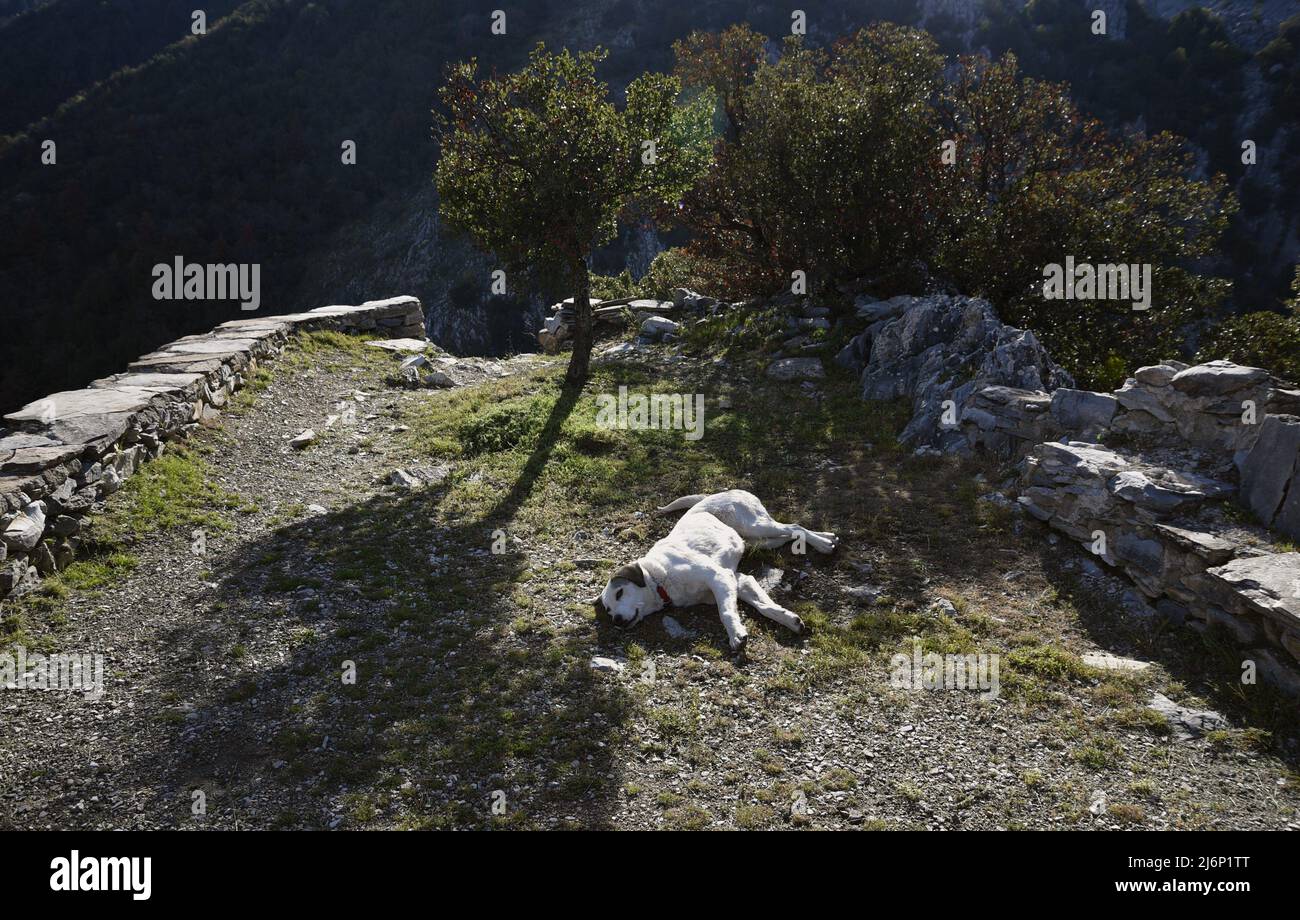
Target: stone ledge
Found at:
69, 450
1196, 440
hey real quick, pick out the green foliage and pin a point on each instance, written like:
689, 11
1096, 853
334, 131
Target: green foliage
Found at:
823, 170
171, 491
611, 287
835, 167
682, 268
512, 426
1033, 181
538, 165
1261, 339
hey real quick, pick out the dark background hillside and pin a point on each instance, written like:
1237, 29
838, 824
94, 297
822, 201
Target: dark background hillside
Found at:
226, 147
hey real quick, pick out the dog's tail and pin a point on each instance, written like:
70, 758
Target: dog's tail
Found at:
686, 501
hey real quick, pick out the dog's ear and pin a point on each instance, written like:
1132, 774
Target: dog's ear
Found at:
631, 572
598, 602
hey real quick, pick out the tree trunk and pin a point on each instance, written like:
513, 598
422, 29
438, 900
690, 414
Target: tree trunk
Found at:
580, 360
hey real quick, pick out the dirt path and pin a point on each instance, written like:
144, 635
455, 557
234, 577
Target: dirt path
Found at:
475, 701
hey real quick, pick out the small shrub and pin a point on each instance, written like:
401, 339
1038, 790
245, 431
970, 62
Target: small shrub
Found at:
1261, 339
513, 426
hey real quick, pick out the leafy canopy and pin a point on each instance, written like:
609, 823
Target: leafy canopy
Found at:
877, 160
538, 165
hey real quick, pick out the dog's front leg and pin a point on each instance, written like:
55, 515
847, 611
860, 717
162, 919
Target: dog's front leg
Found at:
723, 585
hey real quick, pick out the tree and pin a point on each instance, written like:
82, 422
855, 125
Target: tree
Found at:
539, 165
824, 167
877, 159
1034, 180
1264, 338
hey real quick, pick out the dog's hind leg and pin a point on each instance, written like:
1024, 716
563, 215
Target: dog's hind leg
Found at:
752, 593
768, 534
822, 541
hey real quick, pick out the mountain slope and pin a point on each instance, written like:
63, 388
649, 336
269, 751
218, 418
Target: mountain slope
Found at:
226, 148
64, 47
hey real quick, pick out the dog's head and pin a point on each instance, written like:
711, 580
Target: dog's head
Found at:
626, 599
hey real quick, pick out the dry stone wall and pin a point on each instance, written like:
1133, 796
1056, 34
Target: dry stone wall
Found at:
61, 455
1186, 479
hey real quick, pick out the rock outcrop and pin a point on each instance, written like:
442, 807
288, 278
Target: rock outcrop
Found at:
940, 350
650, 315
61, 454
1149, 478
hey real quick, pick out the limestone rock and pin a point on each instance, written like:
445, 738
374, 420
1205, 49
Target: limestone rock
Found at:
674, 629
402, 346
1186, 723
91, 416
1105, 662
1083, 410
1156, 375
1270, 474
942, 348
658, 328
24, 531
865, 594
1268, 585
65, 526
17, 578
43, 559
1216, 378
404, 480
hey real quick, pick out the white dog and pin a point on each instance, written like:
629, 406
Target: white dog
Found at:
696, 563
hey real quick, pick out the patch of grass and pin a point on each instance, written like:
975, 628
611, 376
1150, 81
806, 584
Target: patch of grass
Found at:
1102, 753
787, 737
769, 763
674, 722
837, 779
690, 817
173, 491
97, 571
909, 791
329, 350
1029, 671
751, 817
1127, 813
838, 647
1143, 787
31, 620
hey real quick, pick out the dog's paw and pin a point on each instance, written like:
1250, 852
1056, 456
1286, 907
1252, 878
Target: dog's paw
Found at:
738, 643
799, 626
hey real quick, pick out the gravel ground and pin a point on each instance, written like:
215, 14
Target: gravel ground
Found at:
224, 707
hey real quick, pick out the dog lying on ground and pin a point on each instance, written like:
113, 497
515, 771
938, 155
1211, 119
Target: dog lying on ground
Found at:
696, 563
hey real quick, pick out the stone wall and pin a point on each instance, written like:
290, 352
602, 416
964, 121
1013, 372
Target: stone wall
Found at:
61, 455
1186, 479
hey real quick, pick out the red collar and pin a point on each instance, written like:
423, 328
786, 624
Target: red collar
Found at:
664, 595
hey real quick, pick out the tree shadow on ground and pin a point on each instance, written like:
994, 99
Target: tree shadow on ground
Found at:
464, 700
454, 719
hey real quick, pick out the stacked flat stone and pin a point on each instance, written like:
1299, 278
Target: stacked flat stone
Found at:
1200, 440
61, 454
